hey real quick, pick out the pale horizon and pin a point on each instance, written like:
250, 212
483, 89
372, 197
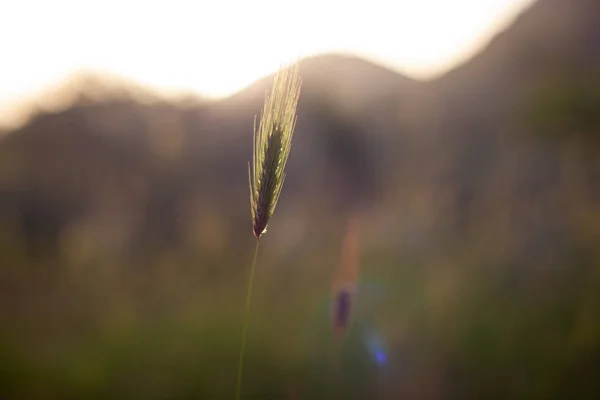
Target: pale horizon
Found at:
215, 50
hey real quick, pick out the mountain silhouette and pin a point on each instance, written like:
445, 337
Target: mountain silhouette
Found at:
365, 134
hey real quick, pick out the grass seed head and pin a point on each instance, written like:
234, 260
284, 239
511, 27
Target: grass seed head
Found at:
272, 144
341, 309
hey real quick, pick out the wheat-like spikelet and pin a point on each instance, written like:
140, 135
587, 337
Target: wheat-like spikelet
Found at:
272, 144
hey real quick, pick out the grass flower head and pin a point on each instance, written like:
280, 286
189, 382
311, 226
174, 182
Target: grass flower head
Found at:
272, 144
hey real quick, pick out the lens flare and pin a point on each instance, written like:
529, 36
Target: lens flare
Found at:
375, 347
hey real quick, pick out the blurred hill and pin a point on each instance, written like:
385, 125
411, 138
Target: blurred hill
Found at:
362, 130
487, 178
159, 157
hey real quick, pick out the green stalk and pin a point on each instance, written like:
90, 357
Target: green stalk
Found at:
246, 318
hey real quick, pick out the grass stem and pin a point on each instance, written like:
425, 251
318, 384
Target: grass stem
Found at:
246, 318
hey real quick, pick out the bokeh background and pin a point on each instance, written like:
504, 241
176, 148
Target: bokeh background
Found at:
473, 197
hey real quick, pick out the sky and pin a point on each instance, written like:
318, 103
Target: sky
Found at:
215, 48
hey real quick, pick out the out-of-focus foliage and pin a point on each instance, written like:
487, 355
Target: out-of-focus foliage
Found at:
125, 241
568, 109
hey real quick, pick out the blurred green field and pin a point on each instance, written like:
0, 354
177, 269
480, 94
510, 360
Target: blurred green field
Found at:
469, 328
126, 240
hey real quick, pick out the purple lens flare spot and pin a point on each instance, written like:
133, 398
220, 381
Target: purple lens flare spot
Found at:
380, 356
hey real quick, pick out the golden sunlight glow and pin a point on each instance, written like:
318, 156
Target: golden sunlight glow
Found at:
215, 48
